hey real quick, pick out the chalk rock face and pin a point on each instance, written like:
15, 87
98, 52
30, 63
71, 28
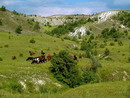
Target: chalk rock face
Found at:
82, 31
106, 15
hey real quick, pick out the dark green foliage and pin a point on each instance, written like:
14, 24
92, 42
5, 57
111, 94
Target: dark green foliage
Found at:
90, 76
0, 22
65, 69
120, 43
1, 59
21, 55
111, 33
18, 29
124, 18
128, 59
112, 44
37, 26
87, 45
107, 52
32, 41
6, 46
3, 8
16, 13
31, 21
66, 28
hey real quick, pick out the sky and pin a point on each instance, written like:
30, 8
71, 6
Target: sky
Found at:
64, 7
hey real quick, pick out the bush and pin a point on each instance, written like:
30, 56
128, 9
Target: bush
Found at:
6, 46
3, 8
90, 77
1, 59
65, 69
0, 22
18, 29
32, 41
20, 55
128, 59
112, 44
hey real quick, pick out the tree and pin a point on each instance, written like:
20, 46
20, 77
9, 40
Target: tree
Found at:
65, 69
18, 29
3, 8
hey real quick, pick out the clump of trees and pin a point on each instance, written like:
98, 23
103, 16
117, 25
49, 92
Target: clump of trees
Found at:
3, 8
18, 29
111, 33
67, 27
65, 69
124, 18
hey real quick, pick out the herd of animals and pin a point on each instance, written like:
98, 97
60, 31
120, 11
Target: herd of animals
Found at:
42, 58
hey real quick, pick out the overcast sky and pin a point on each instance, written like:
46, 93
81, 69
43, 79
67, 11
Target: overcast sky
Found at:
56, 7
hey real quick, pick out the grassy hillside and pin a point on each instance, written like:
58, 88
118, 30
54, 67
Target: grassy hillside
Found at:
20, 78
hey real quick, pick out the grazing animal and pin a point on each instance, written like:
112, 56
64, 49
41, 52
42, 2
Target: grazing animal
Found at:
80, 57
39, 59
13, 57
35, 60
29, 58
31, 53
49, 57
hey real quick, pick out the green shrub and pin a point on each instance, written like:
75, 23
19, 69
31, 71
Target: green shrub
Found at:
128, 59
112, 44
90, 77
0, 22
1, 59
21, 55
120, 43
18, 29
6, 46
32, 41
65, 69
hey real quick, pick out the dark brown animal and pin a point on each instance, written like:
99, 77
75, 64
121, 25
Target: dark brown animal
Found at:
80, 57
39, 59
13, 57
49, 57
75, 58
31, 53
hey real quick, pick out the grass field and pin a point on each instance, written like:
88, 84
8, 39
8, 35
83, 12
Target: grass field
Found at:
115, 69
